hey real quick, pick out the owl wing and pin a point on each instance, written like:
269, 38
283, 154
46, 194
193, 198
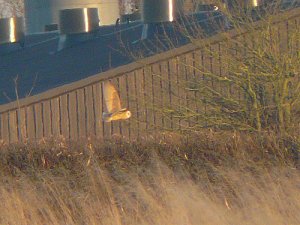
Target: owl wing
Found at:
111, 97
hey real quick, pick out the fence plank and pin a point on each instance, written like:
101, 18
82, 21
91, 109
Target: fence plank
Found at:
22, 124
167, 87
55, 113
183, 97
30, 119
140, 101
73, 115
47, 119
190, 86
132, 97
175, 109
39, 120
241, 53
90, 111
81, 113
215, 66
224, 73
157, 96
198, 82
13, 127
164, 94
4, 127
65, 122
207, 81
98, 104
149, 99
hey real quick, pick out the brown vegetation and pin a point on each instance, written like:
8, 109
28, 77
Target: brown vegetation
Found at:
208, 178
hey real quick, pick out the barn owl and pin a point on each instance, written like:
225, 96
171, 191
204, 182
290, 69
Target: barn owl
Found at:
113, 104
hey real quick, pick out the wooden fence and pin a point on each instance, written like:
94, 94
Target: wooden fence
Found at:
150, 88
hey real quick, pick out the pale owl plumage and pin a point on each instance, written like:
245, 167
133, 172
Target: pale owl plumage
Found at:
113, 104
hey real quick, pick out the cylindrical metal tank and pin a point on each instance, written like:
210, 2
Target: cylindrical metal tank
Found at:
156, 11
11, 30
39, 13
255, 3
81, 20
239, 4
76, 26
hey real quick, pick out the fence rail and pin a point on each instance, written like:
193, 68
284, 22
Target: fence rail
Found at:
150, 88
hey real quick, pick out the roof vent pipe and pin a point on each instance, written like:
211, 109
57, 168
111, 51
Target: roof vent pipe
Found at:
157, 12
11, 30
77, 25
11, 34
246, 4
254, 3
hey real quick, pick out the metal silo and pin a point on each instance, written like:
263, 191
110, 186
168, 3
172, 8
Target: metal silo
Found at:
40, 13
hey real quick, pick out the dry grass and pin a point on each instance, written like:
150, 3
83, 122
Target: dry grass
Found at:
208, 178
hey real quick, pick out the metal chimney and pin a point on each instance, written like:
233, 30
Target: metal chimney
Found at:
11, 30
255, 3
156, 11
11, 34
242, 4
81, 20
77, 25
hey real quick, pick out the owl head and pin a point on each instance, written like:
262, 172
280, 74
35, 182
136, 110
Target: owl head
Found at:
128, 114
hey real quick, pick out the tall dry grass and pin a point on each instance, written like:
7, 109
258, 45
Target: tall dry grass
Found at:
208, 178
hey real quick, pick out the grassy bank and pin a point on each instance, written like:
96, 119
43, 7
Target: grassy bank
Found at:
207, 178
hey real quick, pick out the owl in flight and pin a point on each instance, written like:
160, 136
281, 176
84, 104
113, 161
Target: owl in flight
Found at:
113, 104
